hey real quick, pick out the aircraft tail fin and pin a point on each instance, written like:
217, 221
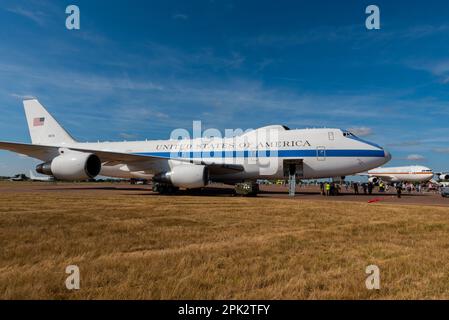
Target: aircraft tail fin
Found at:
44, 129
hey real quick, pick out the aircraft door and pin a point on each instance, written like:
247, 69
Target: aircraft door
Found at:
293, 169
321, 153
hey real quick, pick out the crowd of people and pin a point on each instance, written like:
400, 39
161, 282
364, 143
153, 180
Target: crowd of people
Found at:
334, 188
367, 188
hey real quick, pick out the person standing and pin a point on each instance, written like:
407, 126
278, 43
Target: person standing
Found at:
370, 188
399, 190
356, 188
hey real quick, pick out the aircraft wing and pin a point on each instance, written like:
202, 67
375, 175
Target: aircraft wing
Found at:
47, 153
383, 177
388, 178
44, 153
142, 161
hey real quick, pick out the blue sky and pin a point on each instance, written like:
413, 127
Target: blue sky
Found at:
139, 69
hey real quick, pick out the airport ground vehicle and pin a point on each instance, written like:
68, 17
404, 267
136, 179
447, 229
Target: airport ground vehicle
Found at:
445, 192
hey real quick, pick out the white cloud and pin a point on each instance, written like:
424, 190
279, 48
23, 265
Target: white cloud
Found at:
416, 157
442, 150
172, 59
332, 34
438, 68
37, 16
361, 131
92, 37
128, 136
22, 96
180, 16
404, 144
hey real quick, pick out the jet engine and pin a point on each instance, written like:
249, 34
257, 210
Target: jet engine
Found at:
373, 180
444, 176
187, 176
72, 165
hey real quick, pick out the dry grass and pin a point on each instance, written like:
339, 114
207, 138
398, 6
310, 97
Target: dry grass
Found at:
151, 247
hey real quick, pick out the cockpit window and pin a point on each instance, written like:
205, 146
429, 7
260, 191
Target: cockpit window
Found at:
350, 135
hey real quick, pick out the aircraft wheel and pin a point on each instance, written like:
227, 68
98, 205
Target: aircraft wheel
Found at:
246, 189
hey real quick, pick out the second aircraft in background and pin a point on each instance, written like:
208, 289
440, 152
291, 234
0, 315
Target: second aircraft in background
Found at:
401, 174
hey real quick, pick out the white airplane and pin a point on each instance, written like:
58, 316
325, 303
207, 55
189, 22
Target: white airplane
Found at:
441, 179
442, 176
401, 174
18, 177
43, 179
271, 152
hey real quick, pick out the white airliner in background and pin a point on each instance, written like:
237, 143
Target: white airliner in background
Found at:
401, 174
442, 176
193, 163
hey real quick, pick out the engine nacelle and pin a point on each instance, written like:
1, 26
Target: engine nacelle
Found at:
373, 180
72, 165
444, 176
187, 176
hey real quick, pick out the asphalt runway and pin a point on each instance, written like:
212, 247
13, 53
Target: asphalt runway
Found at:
313, 193
218, 190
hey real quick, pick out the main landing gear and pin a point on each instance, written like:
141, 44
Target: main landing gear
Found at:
247, 189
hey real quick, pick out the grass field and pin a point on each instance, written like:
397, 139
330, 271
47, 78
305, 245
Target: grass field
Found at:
139, 246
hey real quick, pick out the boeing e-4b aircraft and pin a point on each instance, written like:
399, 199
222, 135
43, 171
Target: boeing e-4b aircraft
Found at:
271, 152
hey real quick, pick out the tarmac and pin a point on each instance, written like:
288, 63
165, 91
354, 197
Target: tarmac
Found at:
275, 191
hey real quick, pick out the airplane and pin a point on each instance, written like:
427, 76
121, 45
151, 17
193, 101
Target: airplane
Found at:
441, 179
401, 174
442, 176
271, 152
43, 179
18, 177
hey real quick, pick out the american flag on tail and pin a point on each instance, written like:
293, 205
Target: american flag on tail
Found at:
38, 122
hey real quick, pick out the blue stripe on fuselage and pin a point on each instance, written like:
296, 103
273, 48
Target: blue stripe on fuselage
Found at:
267, 153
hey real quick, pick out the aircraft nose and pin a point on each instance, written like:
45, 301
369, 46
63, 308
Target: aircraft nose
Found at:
387, 155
